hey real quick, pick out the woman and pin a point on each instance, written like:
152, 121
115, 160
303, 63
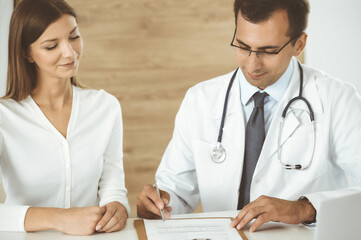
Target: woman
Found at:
60, 144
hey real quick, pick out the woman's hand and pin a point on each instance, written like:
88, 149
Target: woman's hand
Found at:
72, 221
79, 221
114, 219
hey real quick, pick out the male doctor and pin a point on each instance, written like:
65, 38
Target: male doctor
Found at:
268, 171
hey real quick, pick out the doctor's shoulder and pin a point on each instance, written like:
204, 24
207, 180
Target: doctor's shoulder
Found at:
211, 89
330, 88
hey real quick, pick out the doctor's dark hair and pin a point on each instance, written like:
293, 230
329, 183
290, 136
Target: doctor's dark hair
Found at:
29, 20
257, 11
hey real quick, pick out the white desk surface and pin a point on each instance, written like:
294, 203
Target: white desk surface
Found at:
269, 231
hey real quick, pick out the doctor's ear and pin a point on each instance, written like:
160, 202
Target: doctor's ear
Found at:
300, 44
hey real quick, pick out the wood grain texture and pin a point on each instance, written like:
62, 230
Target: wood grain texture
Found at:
147, 54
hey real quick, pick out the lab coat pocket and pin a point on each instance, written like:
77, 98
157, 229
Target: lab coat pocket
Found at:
209, 173
304, 147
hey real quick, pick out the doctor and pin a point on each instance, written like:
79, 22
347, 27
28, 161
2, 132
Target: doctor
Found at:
268, 170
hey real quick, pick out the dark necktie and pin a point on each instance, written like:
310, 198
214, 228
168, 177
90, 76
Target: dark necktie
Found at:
255, 135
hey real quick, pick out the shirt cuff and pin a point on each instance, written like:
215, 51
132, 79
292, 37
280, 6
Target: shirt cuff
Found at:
12, 218
23, 212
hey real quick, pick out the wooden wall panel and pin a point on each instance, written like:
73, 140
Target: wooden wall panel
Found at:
147, 54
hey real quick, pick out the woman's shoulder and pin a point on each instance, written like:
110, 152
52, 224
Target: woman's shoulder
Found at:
8, 102
11, 104
94, 97
12, 110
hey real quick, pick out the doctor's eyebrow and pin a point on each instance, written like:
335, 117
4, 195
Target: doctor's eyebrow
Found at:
54, 39
261, 48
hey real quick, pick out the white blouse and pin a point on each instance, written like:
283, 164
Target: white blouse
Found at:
41, 168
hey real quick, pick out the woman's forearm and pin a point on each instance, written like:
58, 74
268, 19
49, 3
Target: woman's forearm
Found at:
72, 221
40, 219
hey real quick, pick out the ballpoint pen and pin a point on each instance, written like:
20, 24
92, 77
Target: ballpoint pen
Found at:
161, 210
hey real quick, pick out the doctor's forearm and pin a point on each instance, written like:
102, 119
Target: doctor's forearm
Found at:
307, 211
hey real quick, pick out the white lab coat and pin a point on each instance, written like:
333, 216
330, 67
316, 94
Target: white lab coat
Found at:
189, 175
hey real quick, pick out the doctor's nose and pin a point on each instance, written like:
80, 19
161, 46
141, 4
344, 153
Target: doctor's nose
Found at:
254, 62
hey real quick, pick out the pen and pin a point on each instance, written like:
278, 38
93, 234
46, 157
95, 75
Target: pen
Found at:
161, 210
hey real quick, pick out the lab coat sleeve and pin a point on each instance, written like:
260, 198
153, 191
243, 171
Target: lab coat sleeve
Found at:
112, 181
11, 217
176, 173
344, 141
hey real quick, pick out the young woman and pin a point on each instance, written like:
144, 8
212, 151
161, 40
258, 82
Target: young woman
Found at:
60, 144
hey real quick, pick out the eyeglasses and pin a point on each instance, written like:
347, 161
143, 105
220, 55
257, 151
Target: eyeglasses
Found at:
260, 54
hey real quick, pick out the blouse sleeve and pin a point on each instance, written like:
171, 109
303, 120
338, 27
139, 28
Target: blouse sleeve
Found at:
112, 181
1, 149
11, 217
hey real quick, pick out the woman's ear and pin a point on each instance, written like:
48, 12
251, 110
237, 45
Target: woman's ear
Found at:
27, 55
30, 59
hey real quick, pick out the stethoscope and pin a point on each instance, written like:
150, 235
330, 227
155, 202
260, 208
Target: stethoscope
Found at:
218, 153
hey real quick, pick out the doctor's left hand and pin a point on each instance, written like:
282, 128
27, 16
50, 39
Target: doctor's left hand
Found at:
265, 209
114, 218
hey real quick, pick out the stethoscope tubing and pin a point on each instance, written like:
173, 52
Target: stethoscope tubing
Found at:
220, 134
300, 97
284, 113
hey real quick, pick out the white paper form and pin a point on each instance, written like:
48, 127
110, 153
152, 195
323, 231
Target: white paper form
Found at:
189, 229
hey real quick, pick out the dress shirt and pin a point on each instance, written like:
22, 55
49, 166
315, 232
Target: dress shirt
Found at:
41, 168
275, 93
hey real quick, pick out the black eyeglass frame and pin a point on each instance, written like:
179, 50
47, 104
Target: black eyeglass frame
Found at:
258, 52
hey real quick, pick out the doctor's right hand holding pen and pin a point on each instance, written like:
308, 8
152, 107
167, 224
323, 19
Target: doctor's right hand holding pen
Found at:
150, 203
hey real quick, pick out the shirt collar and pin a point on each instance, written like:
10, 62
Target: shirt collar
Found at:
276, 90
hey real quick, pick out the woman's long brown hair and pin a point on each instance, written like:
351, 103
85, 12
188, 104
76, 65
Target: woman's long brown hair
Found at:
28, 22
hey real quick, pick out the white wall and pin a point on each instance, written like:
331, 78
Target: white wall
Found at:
334, 43
6, 7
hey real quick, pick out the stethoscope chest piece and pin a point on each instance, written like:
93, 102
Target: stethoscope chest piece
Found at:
218, 153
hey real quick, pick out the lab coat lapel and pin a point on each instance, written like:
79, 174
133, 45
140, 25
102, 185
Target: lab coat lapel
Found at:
234, 128
233, 139
218, 107
310, 92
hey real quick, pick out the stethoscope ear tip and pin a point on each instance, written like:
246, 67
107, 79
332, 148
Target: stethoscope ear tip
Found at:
290, 167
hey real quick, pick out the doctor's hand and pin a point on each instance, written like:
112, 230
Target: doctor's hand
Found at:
265, 209
114, 219
149, 203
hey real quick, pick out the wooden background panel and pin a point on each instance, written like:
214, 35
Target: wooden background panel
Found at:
147, 54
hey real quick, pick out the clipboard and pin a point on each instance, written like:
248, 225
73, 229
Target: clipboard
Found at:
142, 235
